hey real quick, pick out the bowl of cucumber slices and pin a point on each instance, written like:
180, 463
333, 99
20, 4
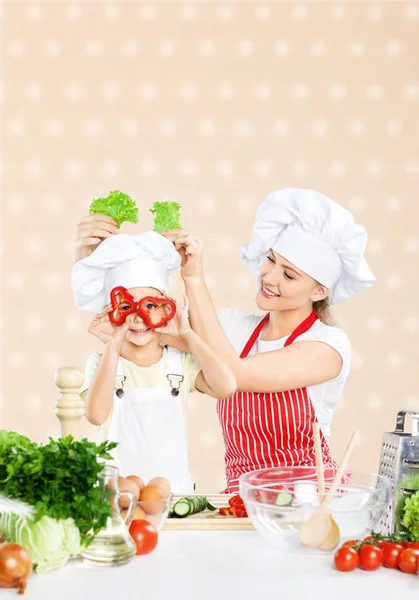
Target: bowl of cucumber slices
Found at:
279, 500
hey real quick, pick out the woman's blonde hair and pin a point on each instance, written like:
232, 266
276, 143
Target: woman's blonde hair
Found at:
323, 311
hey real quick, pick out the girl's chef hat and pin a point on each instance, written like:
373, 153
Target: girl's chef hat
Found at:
317, 235
140, 260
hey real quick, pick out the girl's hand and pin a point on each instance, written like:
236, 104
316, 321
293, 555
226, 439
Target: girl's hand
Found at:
190, 250
92, 230
105, 331
179, 325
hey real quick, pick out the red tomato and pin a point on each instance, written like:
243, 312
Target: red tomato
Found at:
391, 554
241, 512
346, 559
408, 560
414, 545
351, 543
370, 557
369, 538
144, 535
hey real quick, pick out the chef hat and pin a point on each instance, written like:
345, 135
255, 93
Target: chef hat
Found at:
140, 260
317, 235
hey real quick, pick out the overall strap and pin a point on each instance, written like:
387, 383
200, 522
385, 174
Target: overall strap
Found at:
174, 369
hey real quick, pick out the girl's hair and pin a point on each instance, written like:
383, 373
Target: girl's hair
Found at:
323, 311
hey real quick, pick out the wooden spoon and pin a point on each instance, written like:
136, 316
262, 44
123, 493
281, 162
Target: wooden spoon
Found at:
316, 530
332, 540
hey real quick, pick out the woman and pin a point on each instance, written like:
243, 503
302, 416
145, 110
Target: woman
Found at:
290, 365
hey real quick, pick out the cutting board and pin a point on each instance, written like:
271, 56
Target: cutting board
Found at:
209, 519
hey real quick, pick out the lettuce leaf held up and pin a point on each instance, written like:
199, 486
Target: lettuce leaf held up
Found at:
166, 216
118, 206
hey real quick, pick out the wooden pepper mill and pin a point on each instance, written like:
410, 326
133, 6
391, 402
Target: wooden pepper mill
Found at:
69, 406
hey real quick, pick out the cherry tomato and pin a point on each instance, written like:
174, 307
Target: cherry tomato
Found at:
391, 554
351, 543
370, 557
408, 560
414, 545
346, 559
369, 538
241, 512
144, 535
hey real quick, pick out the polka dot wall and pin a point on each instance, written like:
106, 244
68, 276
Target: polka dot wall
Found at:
212, 105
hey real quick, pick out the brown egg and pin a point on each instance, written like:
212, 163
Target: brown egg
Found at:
137, 480
151, 499
139, 514
126, 485
162, 483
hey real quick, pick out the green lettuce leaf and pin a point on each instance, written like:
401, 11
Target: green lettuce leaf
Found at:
50, 542
166, 216
411, 516
118, 206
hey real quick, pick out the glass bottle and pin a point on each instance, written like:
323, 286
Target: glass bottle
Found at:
113, 544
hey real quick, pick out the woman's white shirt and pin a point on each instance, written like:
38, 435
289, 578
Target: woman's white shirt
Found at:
238, 326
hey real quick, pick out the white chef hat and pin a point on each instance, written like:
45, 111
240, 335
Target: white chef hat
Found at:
140, 260
317, 235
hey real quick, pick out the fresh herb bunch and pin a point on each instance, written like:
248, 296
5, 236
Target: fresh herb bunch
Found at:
59, 479
118, 206
166, 216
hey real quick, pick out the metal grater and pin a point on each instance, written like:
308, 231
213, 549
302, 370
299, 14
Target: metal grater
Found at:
399, 457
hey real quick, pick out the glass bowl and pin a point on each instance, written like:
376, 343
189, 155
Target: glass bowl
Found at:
154, 511
279, 500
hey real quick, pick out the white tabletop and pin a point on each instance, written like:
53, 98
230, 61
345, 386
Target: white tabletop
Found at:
201, 565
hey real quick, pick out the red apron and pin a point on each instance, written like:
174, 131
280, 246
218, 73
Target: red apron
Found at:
272, 429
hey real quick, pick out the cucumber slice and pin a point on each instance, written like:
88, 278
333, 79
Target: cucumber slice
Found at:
283, 499
191, 505
182, 508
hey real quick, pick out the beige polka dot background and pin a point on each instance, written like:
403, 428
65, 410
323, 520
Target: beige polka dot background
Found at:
212, 105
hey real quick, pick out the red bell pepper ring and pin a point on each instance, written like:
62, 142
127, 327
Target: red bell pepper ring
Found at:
123, 304
145, 313
236, 501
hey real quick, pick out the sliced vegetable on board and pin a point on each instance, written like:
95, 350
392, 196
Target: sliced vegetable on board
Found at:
190, 505
235, 508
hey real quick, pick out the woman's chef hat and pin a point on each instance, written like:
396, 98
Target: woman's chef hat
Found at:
317, 235
140, 260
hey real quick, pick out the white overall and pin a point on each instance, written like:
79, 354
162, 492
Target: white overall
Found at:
149, 426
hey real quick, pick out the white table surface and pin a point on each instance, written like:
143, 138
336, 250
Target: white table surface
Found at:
201, 565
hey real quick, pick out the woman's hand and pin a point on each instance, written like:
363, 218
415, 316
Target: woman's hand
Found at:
102, 328
190, 250
92, 230
179, 325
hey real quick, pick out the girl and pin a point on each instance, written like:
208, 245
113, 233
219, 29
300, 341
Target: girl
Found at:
136, 390
290, 364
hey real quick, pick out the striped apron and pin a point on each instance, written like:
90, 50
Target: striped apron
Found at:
268, 430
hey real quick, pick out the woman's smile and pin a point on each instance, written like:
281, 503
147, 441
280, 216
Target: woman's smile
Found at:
267, 293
